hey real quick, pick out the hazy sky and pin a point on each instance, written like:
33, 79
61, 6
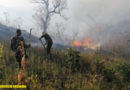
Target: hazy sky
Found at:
15, 3
84, 14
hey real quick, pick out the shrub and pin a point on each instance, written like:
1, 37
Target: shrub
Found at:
97, 59
109, 75
72, 61
124, 70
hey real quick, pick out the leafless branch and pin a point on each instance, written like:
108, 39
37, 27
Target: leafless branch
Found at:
44, 12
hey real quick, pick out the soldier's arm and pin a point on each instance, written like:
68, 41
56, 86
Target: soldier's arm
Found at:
42, 36
11, 44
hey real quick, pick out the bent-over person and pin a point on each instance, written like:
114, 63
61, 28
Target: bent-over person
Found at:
48, 40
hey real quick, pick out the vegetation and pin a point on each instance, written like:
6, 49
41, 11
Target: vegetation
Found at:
68, 70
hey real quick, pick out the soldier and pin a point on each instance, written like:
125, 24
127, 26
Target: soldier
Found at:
48, 40
15, 44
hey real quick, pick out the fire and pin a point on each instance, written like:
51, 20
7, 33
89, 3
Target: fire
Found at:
86, 43
77, 43
98, 29
93, 46
81, 43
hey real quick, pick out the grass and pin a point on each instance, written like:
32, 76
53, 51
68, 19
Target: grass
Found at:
51, 72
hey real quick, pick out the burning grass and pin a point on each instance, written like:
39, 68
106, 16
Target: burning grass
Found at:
97, 71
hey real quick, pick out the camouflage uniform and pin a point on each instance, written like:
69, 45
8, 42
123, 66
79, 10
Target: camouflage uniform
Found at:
48, 40
15, 44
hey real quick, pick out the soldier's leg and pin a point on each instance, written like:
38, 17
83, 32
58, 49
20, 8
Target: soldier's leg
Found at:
48, 51
49, 47
26, 56
18, 58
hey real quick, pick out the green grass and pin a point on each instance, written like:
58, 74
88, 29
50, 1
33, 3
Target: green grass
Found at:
52, 73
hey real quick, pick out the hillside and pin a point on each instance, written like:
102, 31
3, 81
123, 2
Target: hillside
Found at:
8, 32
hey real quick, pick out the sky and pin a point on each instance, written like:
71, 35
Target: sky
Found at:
16, 9
15, 3
84, 15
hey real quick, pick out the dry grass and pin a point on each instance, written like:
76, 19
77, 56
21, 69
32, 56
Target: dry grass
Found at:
50, 73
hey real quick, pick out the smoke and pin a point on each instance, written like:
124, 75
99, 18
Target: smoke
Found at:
94, 15
101, 11
103, 21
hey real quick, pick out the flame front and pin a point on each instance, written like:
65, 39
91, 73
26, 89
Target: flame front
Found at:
81, 43
86, 43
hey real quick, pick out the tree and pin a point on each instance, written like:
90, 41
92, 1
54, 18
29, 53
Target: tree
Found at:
46, 9
75, 34
17, 22
7, 21
60, 31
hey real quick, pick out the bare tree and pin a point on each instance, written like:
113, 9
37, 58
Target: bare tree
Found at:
1, 21
46, 9
60, 31
17, 22
7, 21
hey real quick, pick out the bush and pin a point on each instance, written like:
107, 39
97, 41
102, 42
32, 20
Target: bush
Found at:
97, 59
72, 61
124, 70
109, 75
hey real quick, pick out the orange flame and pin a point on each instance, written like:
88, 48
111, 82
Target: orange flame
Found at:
81, 43
77, 43
86, 43
98, 29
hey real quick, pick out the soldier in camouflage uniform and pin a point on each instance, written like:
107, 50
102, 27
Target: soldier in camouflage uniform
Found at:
48, 40
15, 44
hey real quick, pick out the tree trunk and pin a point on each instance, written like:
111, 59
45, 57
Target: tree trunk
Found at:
45, 25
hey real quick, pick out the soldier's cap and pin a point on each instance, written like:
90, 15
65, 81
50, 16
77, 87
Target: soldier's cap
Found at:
18, 31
